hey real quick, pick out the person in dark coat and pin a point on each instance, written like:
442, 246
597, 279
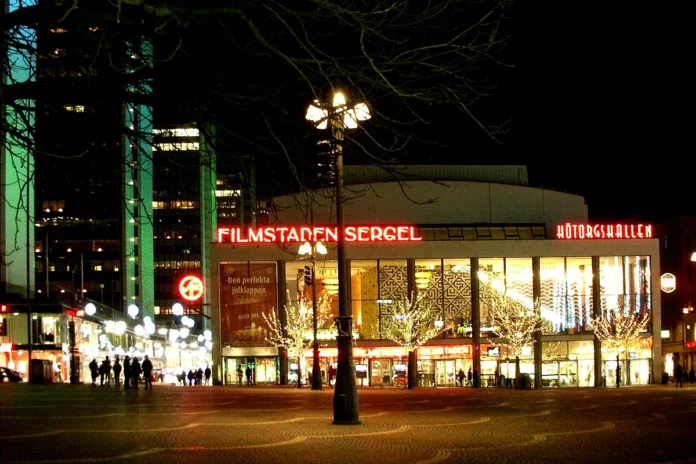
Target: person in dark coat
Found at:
94, 371
207, 373
147, 373
135, 372
127, 373
117, 372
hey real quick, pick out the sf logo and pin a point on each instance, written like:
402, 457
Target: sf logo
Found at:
191, 288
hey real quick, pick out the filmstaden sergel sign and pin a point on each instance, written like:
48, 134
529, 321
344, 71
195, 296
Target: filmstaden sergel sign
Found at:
277, 234
570, 231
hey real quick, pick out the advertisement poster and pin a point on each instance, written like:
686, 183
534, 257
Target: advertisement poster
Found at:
247, 291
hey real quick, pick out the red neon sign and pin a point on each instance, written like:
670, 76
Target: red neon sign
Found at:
570, 231
191, 288
277, 234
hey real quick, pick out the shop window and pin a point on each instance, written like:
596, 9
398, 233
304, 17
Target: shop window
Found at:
364, 295
429, 285
393, 285
553, 298
97, 267
492, 284
579, 292
457, 296
519, 282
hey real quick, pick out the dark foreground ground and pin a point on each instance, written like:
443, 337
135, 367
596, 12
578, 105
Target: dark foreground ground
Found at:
81, 424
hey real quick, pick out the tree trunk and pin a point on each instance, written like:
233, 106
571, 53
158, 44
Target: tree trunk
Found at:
412, 369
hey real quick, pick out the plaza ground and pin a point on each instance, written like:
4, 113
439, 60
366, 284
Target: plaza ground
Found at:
82, 424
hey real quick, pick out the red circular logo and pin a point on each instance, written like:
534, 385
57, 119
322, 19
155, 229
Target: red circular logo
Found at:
191, 288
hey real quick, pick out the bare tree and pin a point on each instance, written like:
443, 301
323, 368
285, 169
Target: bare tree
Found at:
620, 331
411, 323
296, 334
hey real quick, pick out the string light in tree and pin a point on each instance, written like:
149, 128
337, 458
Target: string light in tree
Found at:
513, 320
300, 320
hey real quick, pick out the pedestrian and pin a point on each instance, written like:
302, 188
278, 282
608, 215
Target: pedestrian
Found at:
147, 372
460, 376
117, 372
94, 371
102, 373
476, 378
191, 377
135, 372
618, 372
240, 374
108, 371
182, 378
470, 377
679, 376
127, 373
207, 373
199, 376
248, 376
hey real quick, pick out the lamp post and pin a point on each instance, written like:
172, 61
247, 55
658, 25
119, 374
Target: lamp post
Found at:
340, 116
311, 250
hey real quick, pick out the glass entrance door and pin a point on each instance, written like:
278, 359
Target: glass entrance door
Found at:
568, 374
265, 371
445, 373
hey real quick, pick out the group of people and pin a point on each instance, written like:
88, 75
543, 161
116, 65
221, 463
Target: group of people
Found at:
131, 372
681, 375
196, 377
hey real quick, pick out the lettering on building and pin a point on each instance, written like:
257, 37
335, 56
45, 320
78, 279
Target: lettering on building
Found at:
275, 234
571, 231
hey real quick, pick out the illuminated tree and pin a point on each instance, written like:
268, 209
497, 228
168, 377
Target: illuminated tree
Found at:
513, 320
296, 335
620, 332
411, 323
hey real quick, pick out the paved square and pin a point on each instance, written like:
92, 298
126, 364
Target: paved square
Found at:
82, 424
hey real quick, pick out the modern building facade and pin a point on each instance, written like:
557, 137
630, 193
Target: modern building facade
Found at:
678, 291
474, 234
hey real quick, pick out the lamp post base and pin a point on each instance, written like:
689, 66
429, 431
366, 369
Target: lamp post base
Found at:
346, 392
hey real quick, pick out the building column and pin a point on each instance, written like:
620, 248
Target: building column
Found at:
596, 312
656, 315
476, 316
208, 214
411, 277
17, 266
538, 345
282, 301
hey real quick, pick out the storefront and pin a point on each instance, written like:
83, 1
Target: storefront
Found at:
531, 245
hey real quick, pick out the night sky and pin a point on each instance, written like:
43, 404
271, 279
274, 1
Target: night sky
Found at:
601, 108
597, 107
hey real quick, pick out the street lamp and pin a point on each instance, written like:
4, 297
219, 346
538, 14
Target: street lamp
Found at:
339, 116
310, 250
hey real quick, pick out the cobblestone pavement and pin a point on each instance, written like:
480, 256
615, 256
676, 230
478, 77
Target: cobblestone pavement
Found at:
82, 424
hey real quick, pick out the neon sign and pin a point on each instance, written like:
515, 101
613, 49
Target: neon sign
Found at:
277, 234
570, 231
191, 288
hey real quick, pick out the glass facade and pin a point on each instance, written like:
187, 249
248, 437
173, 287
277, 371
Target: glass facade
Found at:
565, 299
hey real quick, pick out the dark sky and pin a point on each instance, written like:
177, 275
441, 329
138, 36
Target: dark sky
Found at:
603, 108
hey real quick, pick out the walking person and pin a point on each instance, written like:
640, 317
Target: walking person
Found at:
127, 373
470, 377
102, 373
240, 374
147, 373
248, 376
191, 377
108, 371
199, 376
679, 376
460, 376
135, 372
94, 371
207, 373
618, 372
117, 372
